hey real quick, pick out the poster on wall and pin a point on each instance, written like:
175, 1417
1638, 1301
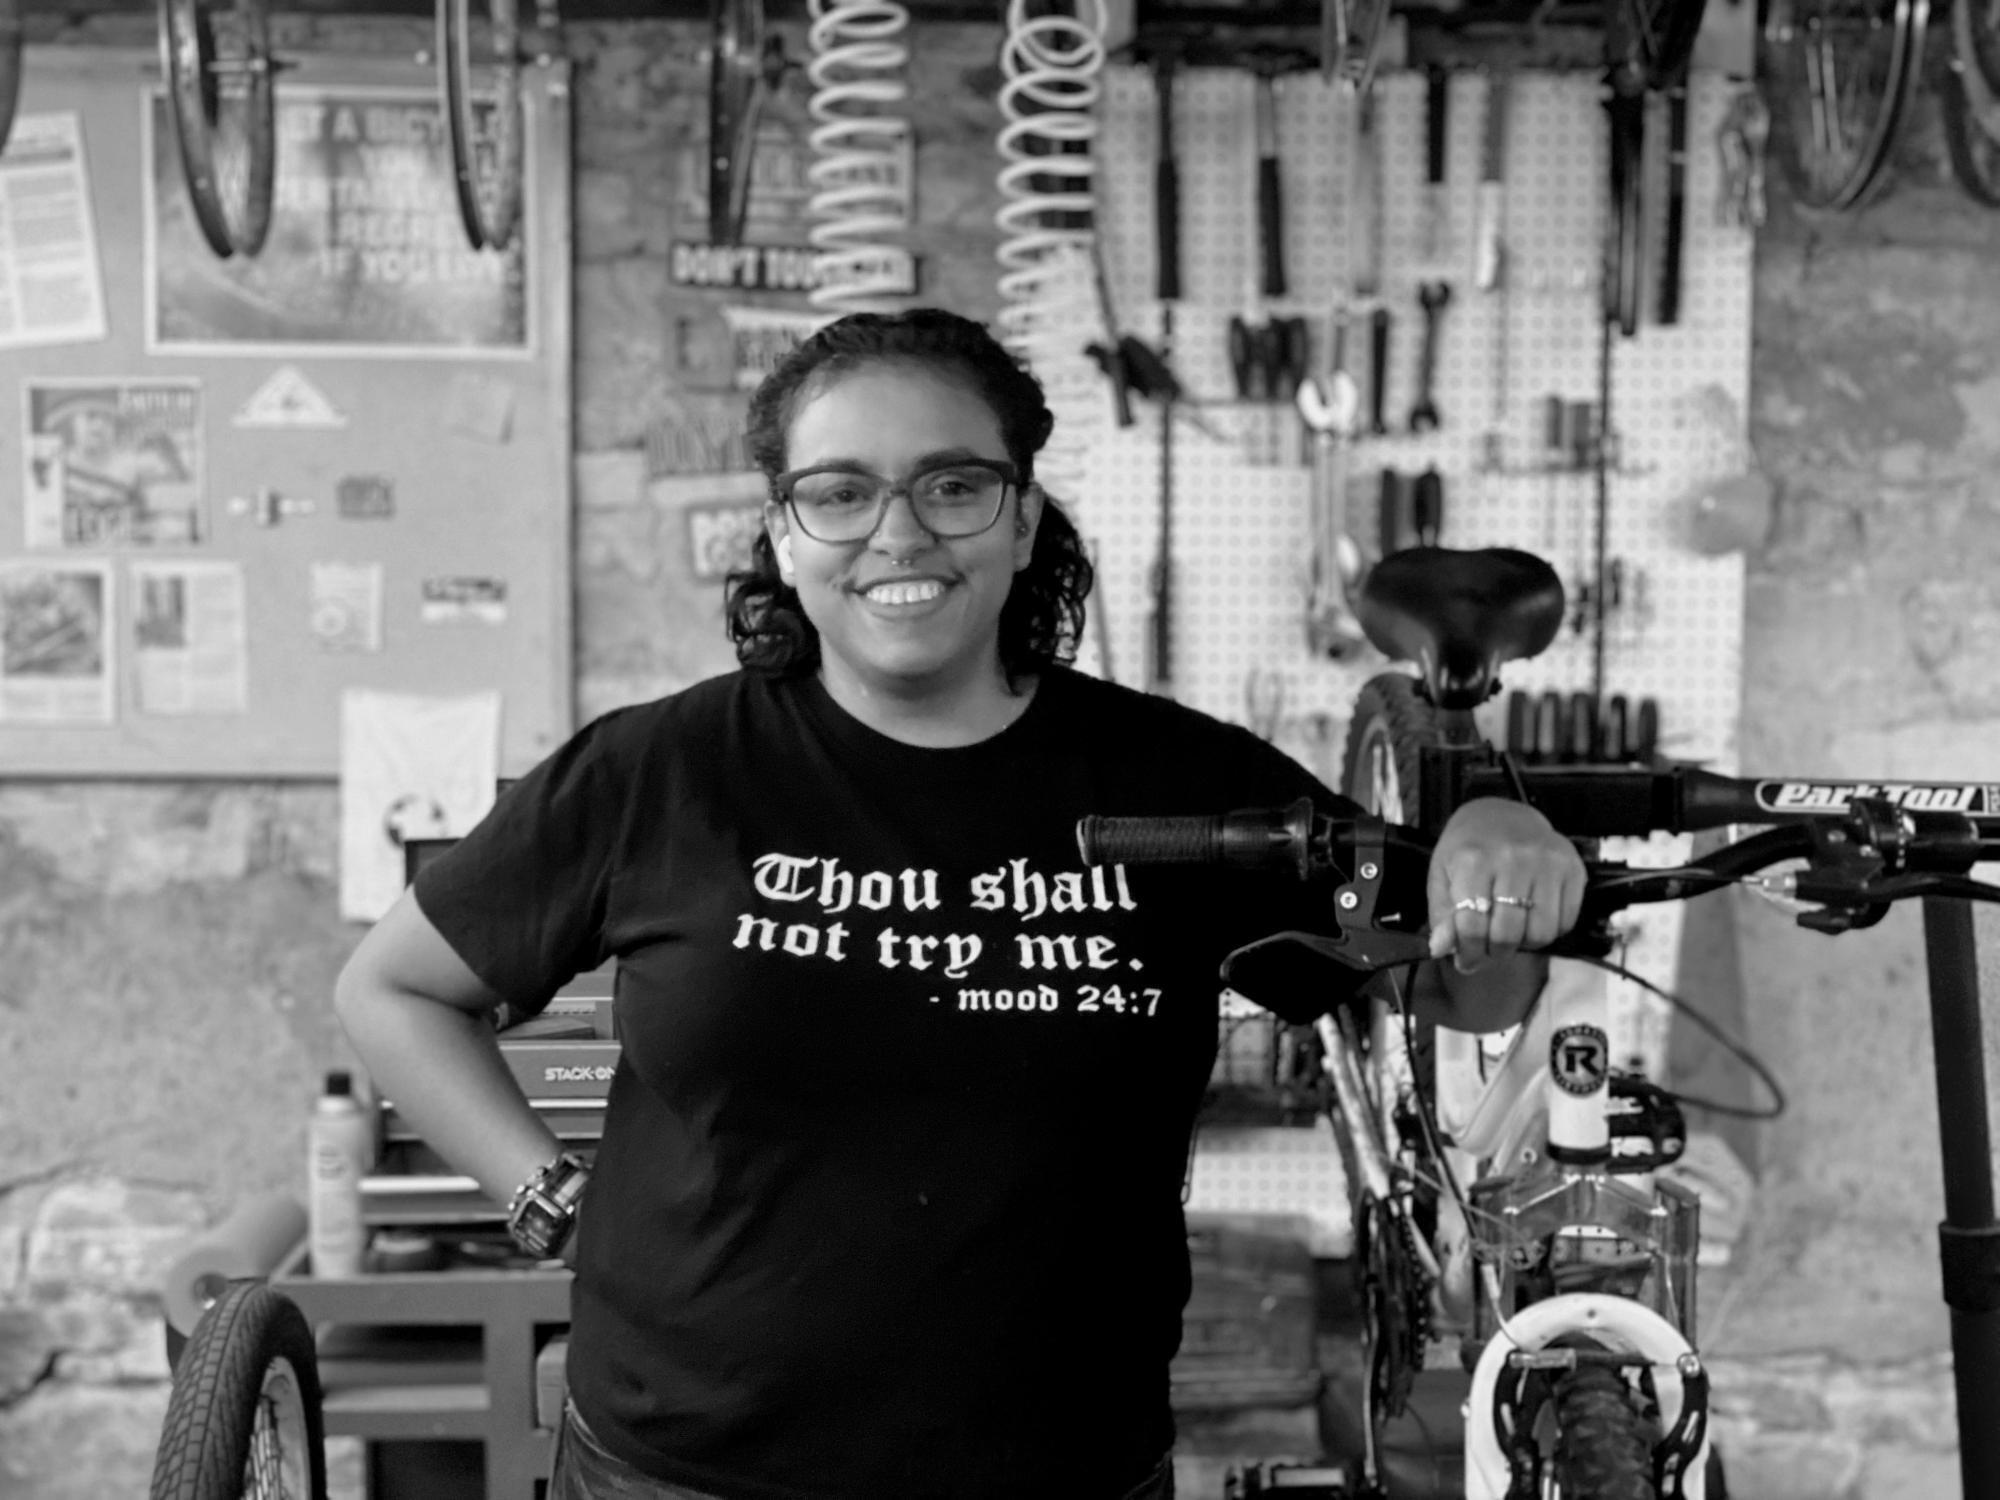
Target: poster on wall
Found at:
111, 463
51, 284
366, 253
56, 646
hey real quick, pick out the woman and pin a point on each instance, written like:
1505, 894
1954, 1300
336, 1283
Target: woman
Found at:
888, 1197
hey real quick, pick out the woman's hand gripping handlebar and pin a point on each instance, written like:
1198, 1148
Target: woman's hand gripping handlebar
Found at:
1849, 869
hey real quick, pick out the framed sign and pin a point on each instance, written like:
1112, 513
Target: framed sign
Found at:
366, 254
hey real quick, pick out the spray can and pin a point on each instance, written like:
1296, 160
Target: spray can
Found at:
340, 1145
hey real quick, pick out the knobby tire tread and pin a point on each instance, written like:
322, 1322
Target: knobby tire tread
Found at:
1604, 1446
212, 1411
1393, 698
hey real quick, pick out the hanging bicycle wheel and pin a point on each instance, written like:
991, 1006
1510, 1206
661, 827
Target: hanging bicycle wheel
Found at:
483, 118
1969, 101
736, 82
221, 103
12, 34
244, 1421
1841, 73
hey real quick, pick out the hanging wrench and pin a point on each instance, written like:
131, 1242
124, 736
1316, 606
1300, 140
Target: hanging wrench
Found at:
1331, 407
1432, 297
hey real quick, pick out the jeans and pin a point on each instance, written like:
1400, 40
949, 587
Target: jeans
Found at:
586, 1470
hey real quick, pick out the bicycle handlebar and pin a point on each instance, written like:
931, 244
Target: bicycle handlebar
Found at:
1858, 860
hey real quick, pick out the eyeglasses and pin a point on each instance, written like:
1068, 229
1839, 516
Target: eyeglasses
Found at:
846, 505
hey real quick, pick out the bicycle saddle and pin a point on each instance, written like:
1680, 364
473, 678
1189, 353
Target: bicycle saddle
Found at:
1460, 615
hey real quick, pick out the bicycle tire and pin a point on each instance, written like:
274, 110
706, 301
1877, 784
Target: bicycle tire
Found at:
192, 67
1604, 1444
245, 1418
1836, 141
489, 202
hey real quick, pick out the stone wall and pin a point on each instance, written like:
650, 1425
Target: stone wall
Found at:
167, 950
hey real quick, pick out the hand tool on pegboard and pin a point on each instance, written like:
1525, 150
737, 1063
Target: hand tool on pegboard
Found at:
1489, 256
1674, 231
1167, 286
1741, 141
1330, 407
1363, 238
1432, 298
1436, 227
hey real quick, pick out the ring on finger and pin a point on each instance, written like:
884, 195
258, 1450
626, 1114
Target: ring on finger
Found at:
1480, 904
1525, 903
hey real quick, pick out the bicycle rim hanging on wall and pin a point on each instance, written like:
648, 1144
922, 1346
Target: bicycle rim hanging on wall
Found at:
220, 100
1840, 74
1970, 102
486, 164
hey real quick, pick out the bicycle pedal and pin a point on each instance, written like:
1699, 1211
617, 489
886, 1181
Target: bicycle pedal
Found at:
1646, 1126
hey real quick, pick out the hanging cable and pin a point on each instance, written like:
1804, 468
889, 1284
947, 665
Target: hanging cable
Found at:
861, 167
1051, 311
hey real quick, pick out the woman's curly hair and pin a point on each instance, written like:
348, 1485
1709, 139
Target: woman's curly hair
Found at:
1043, 615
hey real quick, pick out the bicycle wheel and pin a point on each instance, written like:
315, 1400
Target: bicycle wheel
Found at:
244, 1419
486, 165
735, 95
1969, 103
1841, 73
1604, 1444
222, 108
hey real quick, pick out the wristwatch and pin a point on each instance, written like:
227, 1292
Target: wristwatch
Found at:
543, 1211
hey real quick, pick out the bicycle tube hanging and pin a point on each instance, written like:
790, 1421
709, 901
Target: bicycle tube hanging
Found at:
1842, 91
199, 77
1050, 313
861, 168
489, 199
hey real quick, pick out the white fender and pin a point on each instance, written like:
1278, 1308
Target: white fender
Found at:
1616, 1323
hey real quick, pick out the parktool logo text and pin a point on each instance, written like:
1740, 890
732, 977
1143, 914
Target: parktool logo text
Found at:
1834, 796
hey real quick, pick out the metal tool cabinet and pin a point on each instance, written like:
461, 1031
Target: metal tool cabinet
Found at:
489, 1399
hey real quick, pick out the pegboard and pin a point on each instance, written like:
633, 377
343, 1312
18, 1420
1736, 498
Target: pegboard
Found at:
1242, 523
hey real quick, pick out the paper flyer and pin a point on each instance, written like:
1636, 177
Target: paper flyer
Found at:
51, 283
189, 637
57, 661
112, 463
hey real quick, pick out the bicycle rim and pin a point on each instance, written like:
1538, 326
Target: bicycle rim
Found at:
489, 197
230, 188
1842, 72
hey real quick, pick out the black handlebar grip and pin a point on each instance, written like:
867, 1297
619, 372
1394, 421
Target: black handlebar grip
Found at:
1271, 226
1150, 841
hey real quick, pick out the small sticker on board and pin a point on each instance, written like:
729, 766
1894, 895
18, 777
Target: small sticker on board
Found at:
365, 497
288, 399
464, 601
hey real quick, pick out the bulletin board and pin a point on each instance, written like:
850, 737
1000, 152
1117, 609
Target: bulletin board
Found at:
231, 489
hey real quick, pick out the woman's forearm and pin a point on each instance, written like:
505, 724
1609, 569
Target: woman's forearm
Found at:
442, 1068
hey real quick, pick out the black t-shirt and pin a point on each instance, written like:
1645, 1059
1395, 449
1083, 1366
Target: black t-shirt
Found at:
888, 1201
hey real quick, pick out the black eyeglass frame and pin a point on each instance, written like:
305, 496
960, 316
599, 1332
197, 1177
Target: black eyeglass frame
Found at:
1010, 479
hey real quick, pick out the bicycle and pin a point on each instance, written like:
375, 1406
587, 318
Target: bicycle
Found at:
1566, 1269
